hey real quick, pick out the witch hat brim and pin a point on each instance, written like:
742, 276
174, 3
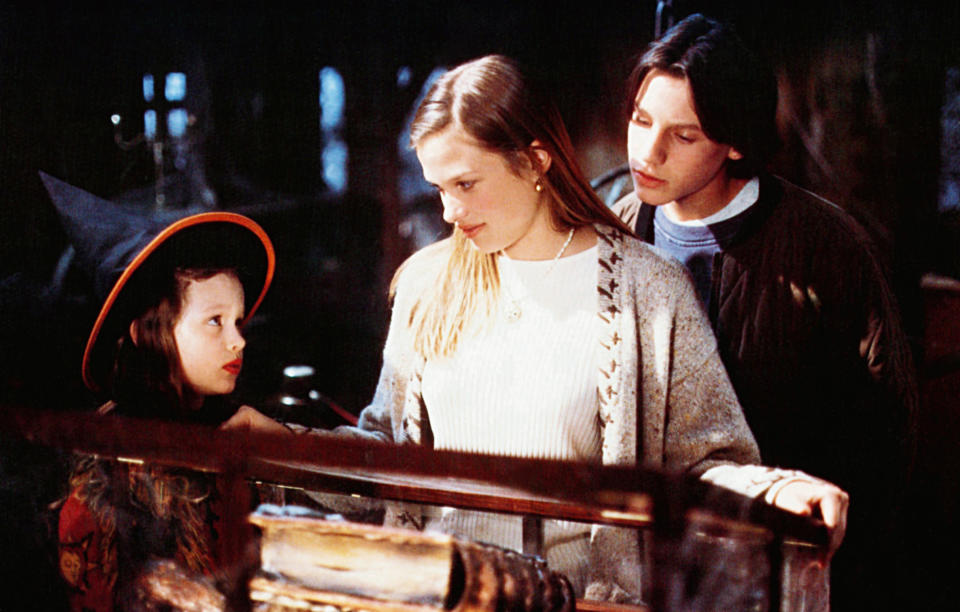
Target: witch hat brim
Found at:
129, 255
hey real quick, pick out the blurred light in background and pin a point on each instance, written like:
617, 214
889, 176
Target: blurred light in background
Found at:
177, 120
334, 155
176, 87
148, 87
150, 124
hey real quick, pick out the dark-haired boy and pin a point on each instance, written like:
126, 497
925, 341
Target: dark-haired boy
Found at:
806, 323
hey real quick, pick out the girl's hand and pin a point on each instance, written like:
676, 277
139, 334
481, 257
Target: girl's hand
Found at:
250, 419
811, 498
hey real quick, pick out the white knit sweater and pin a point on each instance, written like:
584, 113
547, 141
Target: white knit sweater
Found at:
537, 373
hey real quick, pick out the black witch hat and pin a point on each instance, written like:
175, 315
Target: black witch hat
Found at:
126, 253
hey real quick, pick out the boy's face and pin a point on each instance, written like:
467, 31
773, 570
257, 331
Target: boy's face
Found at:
672, 161
208, 334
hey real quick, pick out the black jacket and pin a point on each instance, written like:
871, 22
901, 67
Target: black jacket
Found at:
809, 332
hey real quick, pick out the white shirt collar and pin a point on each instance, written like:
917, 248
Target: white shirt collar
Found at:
745, 198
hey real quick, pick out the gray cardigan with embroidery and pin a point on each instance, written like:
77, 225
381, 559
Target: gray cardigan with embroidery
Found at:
664, 396
665, 399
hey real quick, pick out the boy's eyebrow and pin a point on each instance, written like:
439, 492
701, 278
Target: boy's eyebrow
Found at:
687, 126
675, 126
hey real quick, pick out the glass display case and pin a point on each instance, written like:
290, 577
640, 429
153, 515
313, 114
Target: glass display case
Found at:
699, 546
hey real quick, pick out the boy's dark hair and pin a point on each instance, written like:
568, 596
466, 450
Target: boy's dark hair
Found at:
734, 93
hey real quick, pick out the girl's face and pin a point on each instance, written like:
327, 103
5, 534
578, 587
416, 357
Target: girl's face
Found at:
495, 207
208, 334
672, 161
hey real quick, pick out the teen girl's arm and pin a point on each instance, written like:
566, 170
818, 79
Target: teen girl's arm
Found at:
251, 419
706, 426
702, 421
721, 420
379, 420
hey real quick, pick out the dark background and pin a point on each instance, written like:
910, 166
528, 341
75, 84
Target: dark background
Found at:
863, 88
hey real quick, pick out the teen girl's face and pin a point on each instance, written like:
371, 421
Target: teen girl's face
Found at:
495, 207
671, 160
208, 334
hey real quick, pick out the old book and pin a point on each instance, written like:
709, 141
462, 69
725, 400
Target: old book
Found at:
308, 562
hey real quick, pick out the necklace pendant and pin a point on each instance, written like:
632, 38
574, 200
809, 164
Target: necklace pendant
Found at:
513, 311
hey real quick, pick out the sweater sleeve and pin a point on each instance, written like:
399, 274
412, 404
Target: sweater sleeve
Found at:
379, 420
688, 417
705, 425
756, 480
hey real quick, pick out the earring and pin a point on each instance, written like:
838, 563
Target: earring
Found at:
538, 186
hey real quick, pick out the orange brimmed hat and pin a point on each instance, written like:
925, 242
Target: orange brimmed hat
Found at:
130, 255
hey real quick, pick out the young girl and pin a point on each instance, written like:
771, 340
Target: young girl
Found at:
167, 344
542, 328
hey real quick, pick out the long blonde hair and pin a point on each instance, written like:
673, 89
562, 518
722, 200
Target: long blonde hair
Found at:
494, 102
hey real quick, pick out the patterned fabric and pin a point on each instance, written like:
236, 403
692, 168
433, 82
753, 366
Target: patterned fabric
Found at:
87, 563
119, 516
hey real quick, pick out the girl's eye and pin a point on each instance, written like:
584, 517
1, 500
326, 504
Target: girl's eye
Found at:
214, 320
639, 119
684, 138
465, 185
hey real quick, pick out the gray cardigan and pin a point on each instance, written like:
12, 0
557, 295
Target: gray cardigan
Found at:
665, 399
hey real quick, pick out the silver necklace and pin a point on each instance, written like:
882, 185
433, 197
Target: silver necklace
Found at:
513, 310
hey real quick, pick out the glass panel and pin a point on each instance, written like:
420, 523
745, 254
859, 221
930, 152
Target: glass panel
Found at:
148, 87
177, 122
150, 124
332, 98
176, 87
334, 157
